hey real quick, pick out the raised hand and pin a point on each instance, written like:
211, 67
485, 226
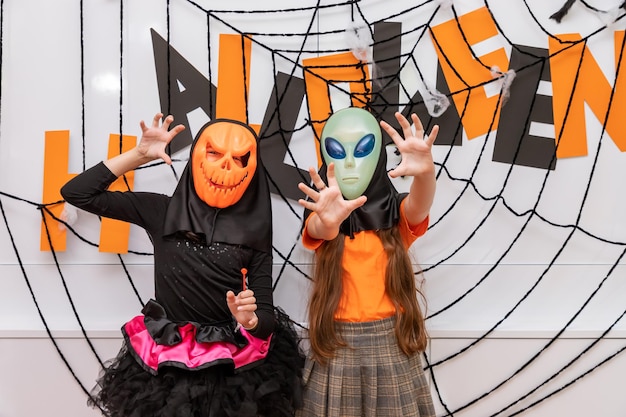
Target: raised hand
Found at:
417, 162
328, 203
415, 148
155, 138
243, 306
152, 145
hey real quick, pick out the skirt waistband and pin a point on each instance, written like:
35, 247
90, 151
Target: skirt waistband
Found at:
348, 327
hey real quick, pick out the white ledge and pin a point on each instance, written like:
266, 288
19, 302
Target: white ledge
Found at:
433, 333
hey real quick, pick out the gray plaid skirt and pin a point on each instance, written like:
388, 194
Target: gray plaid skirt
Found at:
371, 377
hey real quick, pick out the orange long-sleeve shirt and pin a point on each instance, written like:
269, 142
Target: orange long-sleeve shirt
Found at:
364, 262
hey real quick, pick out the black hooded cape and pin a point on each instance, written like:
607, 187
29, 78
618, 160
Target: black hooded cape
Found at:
247, 222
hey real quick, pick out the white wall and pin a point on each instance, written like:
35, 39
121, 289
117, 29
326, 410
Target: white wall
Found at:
541, 299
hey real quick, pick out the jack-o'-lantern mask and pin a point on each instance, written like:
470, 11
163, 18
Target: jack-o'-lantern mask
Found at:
223, 162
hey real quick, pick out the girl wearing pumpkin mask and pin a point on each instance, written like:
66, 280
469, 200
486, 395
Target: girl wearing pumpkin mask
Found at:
210, 343
366, 328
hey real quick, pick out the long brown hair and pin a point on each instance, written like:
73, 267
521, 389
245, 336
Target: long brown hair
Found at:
400, 285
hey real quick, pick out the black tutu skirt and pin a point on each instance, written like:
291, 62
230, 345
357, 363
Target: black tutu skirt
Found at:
271, 387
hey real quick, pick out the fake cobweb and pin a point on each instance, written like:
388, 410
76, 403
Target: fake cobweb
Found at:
499, 234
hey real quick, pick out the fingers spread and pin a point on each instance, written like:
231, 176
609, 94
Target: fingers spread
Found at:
306, 204
156, 119
430, 139
165, 157
178, 128
315, 176
404, 124
330, 175
419, 129
311, 193
167, 122
357, 202
393, 133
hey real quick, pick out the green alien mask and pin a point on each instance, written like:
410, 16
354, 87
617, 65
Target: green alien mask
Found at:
352, 139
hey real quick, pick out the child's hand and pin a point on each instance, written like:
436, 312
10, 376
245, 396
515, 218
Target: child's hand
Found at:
328, 203
415, 148
155, 138
243, 306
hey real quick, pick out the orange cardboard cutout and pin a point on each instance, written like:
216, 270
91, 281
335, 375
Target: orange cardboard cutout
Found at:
482, 108
233, 82
331, 69
55, 175
114, 234
573, 87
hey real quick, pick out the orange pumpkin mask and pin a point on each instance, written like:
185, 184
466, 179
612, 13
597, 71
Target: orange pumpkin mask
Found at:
223, 162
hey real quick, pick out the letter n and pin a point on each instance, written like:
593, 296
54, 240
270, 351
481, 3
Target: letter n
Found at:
577, 79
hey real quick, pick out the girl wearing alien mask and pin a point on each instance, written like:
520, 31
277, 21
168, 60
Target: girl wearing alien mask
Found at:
210, 343
366, 328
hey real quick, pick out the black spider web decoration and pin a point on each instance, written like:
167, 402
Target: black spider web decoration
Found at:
380, 105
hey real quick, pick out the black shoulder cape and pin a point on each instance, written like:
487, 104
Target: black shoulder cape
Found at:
247, 222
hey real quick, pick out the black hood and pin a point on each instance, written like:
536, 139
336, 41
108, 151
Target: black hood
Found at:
247, 222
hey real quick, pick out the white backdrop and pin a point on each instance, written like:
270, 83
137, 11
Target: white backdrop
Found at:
513, 300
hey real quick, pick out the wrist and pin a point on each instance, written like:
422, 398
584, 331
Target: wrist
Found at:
253, 327
141, 157
321, 230
250, 329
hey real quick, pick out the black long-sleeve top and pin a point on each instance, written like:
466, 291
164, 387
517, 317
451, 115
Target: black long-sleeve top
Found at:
191, 278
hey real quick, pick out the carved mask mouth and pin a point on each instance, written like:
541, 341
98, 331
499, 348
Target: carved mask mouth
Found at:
224, 160
223, 186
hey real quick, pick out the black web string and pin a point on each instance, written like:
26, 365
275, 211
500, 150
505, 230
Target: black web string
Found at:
580, 355
281, 54
469, 184
519, 234
36, 303
44, 208
579, 311
564, 10
262, 135
65, 287
472, 184
553, 339
82, 81
121, 81
495, 199
1, 55
544, 30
